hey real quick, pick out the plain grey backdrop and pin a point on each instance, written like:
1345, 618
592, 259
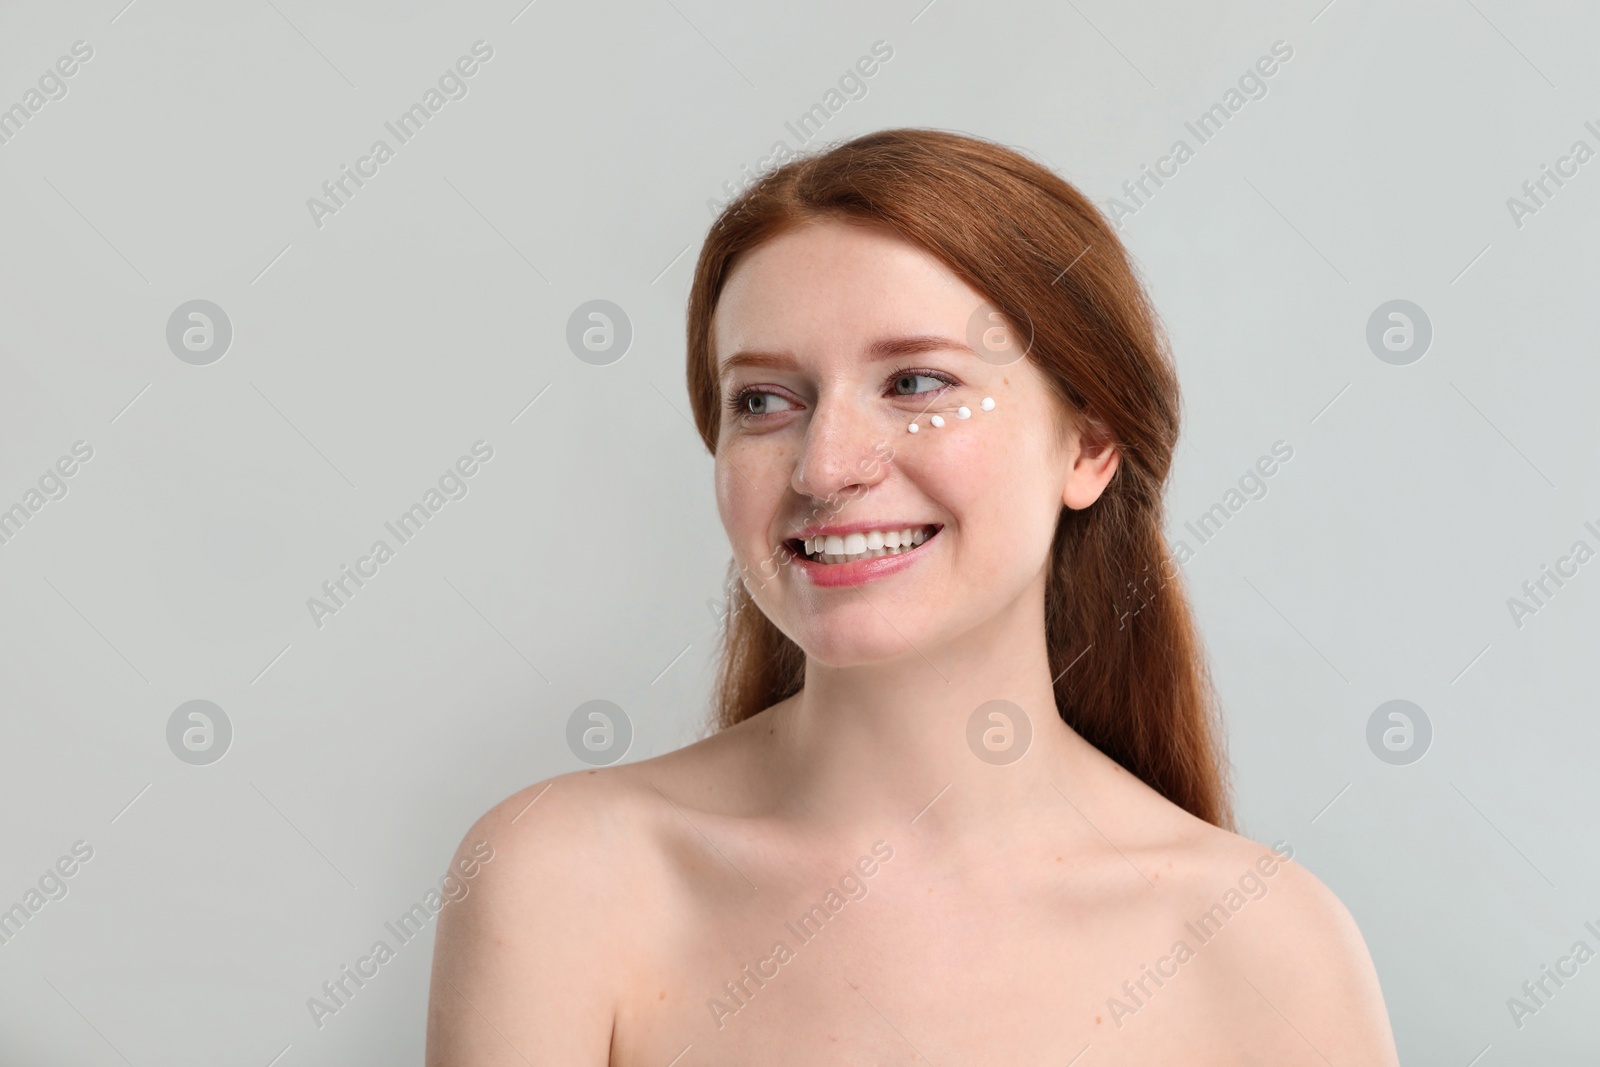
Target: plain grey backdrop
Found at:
373, 345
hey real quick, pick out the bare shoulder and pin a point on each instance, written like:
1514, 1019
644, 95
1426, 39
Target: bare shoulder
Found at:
513, 957
1290, 955
530, 963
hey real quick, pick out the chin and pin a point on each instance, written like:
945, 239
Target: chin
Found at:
859, 643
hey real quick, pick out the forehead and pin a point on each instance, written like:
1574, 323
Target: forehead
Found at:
829, 282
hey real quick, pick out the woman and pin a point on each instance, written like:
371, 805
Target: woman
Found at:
966, 803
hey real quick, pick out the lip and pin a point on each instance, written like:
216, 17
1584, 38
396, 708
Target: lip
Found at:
858, 572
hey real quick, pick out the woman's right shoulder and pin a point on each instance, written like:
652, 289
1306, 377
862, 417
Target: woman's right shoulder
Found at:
527, 958
600, 830
596, 821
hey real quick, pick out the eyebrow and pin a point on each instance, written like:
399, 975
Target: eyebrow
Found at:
881, 349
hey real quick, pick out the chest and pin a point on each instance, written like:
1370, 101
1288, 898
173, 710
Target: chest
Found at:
894, 970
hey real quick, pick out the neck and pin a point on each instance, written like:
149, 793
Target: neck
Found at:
873, 745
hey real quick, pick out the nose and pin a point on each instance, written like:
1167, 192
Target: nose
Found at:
845, 450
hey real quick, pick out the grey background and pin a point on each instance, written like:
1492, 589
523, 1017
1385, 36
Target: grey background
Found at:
370, 353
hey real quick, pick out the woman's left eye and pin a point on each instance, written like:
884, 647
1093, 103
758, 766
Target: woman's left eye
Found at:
907, 384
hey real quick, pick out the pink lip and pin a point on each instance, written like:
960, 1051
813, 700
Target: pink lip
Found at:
857, 572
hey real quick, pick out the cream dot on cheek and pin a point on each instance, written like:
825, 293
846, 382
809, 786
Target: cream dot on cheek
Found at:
962, 412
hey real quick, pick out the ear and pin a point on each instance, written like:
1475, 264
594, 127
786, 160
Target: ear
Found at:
1094, 459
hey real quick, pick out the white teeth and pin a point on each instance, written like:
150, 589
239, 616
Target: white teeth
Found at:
837, 548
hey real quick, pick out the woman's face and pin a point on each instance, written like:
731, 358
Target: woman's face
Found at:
831, 340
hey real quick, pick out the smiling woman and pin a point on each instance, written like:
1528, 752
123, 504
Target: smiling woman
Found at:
935, 664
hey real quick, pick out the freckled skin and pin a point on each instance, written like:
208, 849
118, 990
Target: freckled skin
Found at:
1007, 905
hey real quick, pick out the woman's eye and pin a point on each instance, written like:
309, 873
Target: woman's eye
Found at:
906, 384
756, 403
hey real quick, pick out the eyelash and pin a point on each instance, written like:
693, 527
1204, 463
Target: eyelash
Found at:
736, 402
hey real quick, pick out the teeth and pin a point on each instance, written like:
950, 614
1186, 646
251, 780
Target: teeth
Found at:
836, 548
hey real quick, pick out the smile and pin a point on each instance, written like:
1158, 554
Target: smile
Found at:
836, 549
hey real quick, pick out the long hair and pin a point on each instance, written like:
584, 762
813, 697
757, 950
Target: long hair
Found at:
1130, 673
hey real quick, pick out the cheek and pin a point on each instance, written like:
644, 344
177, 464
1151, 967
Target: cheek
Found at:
963, 463
751, 476
994, 478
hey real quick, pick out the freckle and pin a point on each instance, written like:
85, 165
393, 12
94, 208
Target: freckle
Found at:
1097, 1020
594, 772
663, 995
1058, 859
